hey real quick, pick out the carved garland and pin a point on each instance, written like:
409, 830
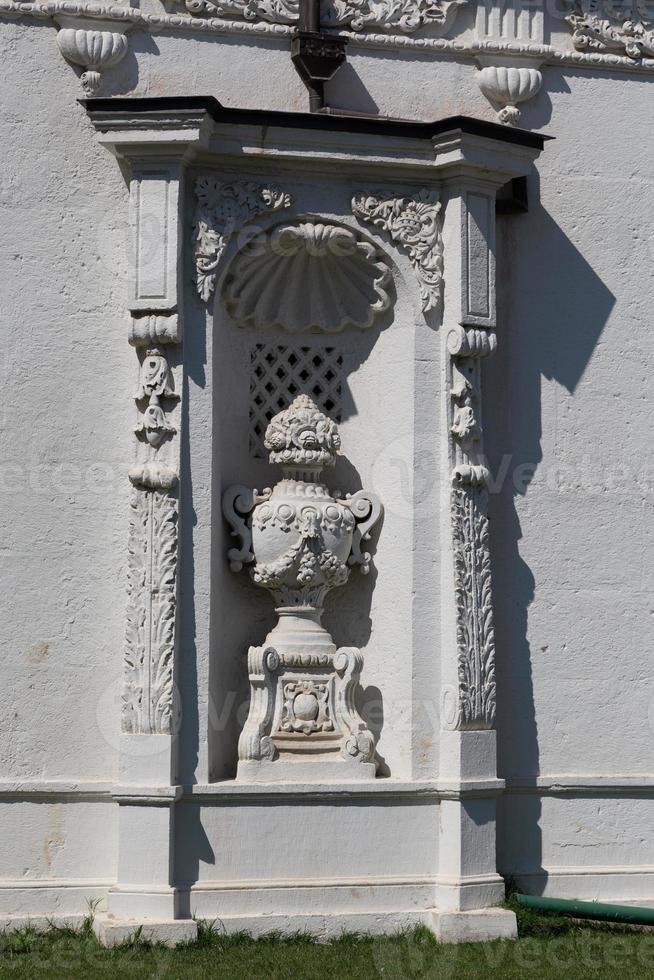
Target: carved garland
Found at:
152, 546
222, 208
414, 224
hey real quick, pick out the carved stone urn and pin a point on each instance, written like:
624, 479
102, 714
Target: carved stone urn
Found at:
301, 542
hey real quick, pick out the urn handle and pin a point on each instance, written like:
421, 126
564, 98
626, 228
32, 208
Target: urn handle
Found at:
238, 504
367, 511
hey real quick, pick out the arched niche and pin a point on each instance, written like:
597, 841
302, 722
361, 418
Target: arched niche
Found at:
316, 304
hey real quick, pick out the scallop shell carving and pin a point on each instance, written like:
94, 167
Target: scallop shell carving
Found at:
308, 277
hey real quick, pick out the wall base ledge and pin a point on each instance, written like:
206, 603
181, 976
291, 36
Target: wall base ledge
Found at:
480, 925
172, 932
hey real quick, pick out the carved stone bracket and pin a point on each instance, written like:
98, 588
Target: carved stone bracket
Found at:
413, 223
94, 47
507, 85
222, 209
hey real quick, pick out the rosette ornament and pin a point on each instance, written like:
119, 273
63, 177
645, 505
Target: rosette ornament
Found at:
94, 49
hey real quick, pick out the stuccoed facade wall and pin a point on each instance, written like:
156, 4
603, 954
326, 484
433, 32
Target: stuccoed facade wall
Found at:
566, 426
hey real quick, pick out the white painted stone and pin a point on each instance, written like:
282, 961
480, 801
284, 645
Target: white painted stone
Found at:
153, 820
172, 932
482, 925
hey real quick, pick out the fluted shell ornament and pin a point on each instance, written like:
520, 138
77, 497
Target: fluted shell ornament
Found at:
308, 277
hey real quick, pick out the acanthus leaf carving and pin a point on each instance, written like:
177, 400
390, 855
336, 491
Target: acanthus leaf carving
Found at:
391, 16
222, 208
603, 26
474, 609
414, 224
150, 631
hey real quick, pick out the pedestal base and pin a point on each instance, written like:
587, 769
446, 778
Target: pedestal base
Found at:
167, 932
309, 771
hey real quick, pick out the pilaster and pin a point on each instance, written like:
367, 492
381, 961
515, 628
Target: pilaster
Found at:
144, 893
467, 877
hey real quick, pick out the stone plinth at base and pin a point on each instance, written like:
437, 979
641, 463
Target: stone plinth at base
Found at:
477, 926
171, 932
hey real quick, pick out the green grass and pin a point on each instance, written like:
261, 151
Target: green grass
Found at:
549, 946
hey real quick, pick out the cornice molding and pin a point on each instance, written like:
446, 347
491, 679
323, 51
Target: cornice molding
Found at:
444, 47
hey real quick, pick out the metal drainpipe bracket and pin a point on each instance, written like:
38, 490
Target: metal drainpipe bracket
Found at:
317, 57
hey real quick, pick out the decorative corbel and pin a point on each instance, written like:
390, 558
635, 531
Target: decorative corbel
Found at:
507, 83
93, 48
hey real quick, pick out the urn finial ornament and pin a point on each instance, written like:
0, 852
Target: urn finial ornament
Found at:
302, 436
300, 543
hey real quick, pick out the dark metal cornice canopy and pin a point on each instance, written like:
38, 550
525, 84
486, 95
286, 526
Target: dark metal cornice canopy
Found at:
331, 121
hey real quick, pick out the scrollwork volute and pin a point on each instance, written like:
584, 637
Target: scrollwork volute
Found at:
414, 224
299, 543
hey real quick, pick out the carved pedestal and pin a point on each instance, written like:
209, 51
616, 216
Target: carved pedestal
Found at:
302, 723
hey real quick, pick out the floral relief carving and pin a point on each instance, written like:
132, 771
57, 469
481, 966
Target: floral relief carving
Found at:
474, 608
604, 26
155, 383
475, 636
150, 632
393, 16
414, 224
222, 208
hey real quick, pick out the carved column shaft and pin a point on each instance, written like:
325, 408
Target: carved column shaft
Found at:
467, 744
147, 790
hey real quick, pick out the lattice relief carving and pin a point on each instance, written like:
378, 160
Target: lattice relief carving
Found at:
279, 373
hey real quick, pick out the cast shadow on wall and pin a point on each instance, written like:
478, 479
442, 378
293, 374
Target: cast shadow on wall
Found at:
549, 327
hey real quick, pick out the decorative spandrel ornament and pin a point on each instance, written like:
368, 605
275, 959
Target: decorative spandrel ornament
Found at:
301, 542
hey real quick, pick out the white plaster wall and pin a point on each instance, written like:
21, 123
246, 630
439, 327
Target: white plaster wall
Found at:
568, 390
64, 422
572, 541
